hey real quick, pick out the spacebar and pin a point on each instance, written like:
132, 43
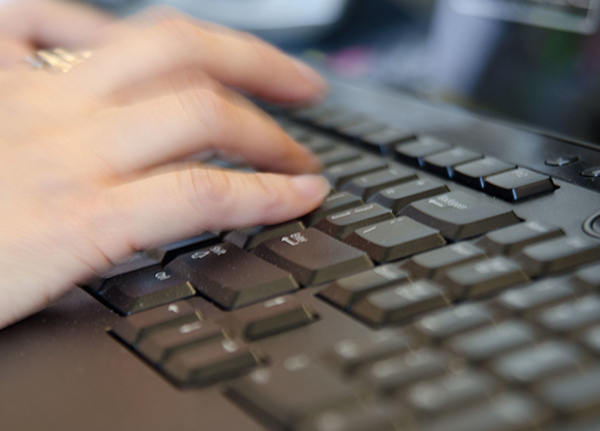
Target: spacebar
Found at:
458, 215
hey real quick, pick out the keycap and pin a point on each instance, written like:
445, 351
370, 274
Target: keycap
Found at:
357, 130
513, 239
369, 418
159, 345
344, 172
210, 363
571, 316
399, 196
313, 257
168, 252
346, 291
351, 354
589, 276
576, 393
474, 173
289, 393
451, 393
591, 338
271, 317
250, 237
342, 224
134, 328
442, 324
338, 119
518, 184
415, 152
232, 277
395, 239
506, 412
483, 278
443, 163
130, 266
385, 139
334, 203
396, 304
537, 296
369, 184
558, 255
339, 154
145, 288
398, 372
531, 365
318, 144
458, 215
433, 264
488, 342
313, 113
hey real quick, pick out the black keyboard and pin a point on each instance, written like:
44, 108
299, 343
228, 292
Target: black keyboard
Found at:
428, 292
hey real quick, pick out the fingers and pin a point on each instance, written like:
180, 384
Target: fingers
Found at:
51, 23
13, 51
169, 41
179, 203
198, 117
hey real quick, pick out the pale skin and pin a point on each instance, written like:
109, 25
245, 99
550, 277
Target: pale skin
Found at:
97, 162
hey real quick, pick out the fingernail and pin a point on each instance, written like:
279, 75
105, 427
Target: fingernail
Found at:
311, 76
312, 186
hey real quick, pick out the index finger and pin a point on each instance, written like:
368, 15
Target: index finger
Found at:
168, 41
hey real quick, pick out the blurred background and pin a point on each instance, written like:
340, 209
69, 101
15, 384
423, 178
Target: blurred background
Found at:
533, 61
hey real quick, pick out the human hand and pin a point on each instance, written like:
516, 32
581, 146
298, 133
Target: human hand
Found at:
27, 25
93, 165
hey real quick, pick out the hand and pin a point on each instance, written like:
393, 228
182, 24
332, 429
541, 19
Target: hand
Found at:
93, 161
27, 25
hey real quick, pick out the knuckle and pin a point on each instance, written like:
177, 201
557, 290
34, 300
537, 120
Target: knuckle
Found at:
179, 33
209, 191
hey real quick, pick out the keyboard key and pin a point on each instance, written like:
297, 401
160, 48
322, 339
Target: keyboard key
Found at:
395, 239
344, 172
458, 215
313, 113
489, 342
415, 152
318, 144
397, 372
443, 163
589, 276
399, 196
385, 139
433, 264
450, 393
513, 239
145, 288
232, 277
159, 345
532, 298
571, 316
546, 360
558, 255
346, 291
130, 266
168, 252
505, 412
483, 278
361, 419
396, 304
339, 119
368, 185
358, 130
591, 338
518, 184
573, 394
250, 237
474, 173
313, 257
289, 393
272, 317
342, 224
133, 329
339, 154
446, 323
335, 203
210, 363
351, 354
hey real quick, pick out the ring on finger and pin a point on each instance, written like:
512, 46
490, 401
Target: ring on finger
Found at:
58, 59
